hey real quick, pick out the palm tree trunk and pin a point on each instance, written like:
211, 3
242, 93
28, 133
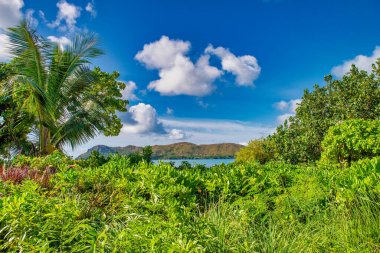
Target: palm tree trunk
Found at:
45, 136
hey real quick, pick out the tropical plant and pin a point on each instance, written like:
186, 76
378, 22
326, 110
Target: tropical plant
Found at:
69, 102
350, 141
121, 206
15, 123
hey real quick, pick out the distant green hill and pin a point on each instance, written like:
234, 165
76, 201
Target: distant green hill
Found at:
173, 151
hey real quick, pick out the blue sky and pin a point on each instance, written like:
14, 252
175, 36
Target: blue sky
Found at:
211, 71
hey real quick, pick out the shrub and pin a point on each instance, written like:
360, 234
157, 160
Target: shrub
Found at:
56, 160
94, 160
257, 150
350, 141
16, 175
237, 207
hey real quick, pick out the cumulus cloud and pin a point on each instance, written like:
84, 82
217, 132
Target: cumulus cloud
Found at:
60, 41
176, 134
91, 9
68, 14
129, 91
10, 13
178, 74
142, 119
361, 61
245, 68
288, 108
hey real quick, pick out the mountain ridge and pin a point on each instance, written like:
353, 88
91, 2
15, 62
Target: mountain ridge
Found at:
179, 150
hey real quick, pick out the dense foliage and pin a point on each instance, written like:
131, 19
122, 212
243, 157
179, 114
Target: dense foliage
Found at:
265, 202
355, 96
256, 150
244, 207
50, 93
350, 141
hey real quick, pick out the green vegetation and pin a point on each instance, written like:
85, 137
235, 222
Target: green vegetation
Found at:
247, 207
52, 94
256, 150
299, 139
350, 141
312, 186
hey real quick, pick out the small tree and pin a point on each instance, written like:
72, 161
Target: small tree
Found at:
350, 141
256, 150
147, 153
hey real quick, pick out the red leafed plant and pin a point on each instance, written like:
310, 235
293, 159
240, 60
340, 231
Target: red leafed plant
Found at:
17, 174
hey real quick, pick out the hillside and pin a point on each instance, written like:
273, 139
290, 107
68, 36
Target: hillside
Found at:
176, 150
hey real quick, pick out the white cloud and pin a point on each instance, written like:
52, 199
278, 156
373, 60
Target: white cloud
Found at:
5, 54
67, 13
245, 68
129, 91
91, 9
288, 107
142, 119
178, 74
162, 54
282, 105
243, 131
10, 13
61, 41
176, 134
361, 61
281, 118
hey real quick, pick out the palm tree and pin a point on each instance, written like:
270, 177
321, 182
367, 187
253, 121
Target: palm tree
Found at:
56, 85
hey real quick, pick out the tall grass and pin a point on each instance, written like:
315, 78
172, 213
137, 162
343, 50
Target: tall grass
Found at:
126, 207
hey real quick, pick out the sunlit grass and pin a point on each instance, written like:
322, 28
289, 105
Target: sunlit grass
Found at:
124, 207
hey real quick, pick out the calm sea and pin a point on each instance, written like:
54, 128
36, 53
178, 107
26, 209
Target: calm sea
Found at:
207, 162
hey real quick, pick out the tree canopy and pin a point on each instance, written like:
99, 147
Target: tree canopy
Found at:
355, 96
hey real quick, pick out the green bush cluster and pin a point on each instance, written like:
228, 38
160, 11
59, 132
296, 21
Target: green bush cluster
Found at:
350, 141
257, 150
122, 206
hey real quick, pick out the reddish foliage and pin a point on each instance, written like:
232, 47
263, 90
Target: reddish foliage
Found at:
16, 175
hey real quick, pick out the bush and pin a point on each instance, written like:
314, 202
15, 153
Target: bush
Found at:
238, 207
257, 150
56, 160
350, 141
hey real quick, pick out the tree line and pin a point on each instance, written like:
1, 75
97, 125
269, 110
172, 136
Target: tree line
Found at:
347, 110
